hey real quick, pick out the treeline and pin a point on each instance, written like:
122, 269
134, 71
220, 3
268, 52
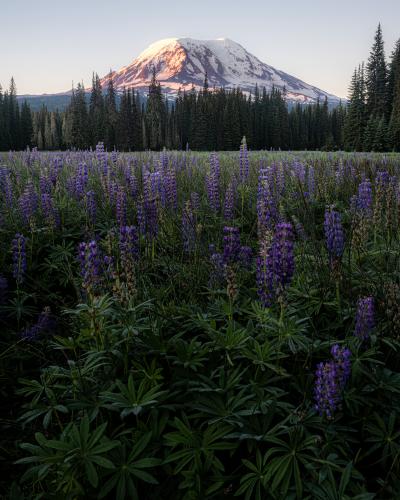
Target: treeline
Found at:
373, 117
16, 127
215, 119
211, 119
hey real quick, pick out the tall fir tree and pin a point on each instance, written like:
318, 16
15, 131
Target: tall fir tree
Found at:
376, 78
394, 124
79, 118
110, 114
96, 112
26, 125
155, 116
355, 122
394, 69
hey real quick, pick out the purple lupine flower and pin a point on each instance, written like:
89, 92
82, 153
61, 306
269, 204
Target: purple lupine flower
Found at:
131, 183
334, 233
141, 218
128, 243
28, 202
365, 320
275, 267
282, 255
44, 324
213, 183
81, 180
267, 210
218, 266
188, 228
364, 197
150, 187
382, 179
153, 186
310, 182
108, 267
243, 161
171, 189
232, 246
341, 356
45, 184
89, 258
19, 258
332, 377
90, 205
114, 157
229, 202
112, 190
55, 170
164, 160
49, 211
102, 159
326, 392
299, 171
121, 207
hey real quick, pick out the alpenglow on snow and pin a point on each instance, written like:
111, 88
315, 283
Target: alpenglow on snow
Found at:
181, 63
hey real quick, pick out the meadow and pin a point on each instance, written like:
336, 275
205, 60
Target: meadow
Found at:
194, 325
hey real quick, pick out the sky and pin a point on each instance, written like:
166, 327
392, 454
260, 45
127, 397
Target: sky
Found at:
48, 44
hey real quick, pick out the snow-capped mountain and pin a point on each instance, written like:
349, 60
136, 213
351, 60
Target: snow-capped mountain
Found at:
181, 63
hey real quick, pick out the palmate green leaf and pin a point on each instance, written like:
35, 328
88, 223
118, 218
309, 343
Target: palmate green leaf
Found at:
191, 355
227, 407
278, 471
139, 446
77, 453
256, 479
197, 448
145, 463
102, 447
91, 473
129, 467
103, 462
109, 486
131, 399
143, 475
344, 481
57, 445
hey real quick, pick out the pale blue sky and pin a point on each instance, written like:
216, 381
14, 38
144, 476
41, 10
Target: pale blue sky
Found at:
47, 44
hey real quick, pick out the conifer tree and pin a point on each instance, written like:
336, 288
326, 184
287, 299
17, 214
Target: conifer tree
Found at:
110, 114
96, 112
2, 122
394, 124
380, 140
154, 118
356, 115
79, 117
26, 125
376, 78
124, 122
394, 70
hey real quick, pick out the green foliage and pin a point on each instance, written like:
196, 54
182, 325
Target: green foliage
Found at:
166, 381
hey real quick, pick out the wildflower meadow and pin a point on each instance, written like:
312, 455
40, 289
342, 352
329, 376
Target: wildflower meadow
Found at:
181, 324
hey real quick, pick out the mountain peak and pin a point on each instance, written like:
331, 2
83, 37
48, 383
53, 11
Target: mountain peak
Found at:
181, 63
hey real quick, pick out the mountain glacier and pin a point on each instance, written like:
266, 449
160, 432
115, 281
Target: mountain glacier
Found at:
182, 63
